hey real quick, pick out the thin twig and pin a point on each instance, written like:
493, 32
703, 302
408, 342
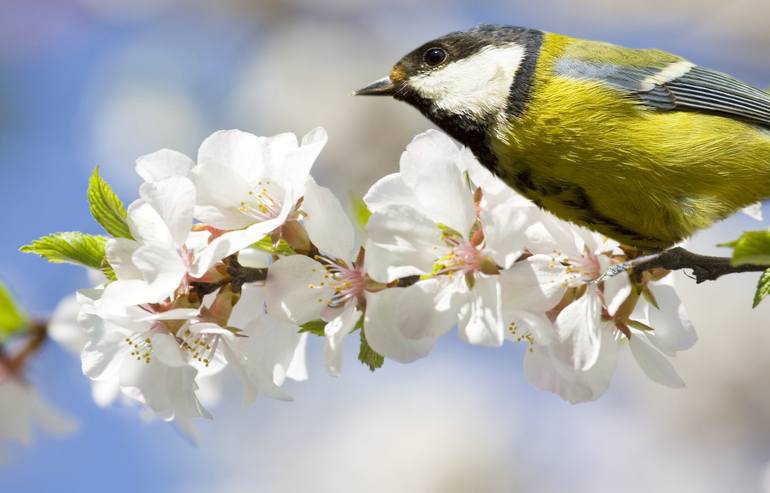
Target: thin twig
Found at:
704, 267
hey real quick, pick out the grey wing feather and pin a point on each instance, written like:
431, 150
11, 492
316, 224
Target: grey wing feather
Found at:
707, 90
699, 89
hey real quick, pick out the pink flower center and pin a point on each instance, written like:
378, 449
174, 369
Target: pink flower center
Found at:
586, 268
348, 283
463, 257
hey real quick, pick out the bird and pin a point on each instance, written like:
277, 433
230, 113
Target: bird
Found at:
640, 145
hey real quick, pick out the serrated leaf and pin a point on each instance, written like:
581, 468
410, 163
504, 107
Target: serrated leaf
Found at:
106, 207
369, 356
361, 212
753, 247
73, 248
267, 244
12, 320
315, 327
763, 288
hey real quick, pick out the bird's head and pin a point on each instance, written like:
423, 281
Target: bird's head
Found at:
463, 81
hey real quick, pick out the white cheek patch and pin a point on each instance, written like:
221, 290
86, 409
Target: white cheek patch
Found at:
669, 73
476, 86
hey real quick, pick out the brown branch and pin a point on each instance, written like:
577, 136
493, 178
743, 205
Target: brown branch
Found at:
704, 267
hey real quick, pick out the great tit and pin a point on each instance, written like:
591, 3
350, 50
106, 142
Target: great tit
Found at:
640, 145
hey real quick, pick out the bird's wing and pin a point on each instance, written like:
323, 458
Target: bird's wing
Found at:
665, 82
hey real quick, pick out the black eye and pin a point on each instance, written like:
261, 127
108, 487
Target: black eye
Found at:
434, 56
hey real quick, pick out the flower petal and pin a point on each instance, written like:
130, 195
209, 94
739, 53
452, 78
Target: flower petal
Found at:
163, 164
297, 370
481, 319
174, 199
429, 167
326, 223
393, 313
220, 192
295, 168
537, 325
504, 228
166, 349
147, 225
654, 364
673, 330
119, 254
580, 323
296, 289
402, 242
162, 268
234, 241
390, 190
545, 368
244, 153
535, 284
335, 331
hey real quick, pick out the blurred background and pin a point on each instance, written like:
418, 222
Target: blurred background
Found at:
87, 82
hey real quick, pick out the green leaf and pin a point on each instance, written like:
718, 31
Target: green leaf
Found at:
73, 248
763, 288
106, 207
267, 244
369, 356
361, 212
635, 324
11, 318
315, 327
753, 247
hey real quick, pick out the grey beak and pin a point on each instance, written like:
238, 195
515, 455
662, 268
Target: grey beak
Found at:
382, 87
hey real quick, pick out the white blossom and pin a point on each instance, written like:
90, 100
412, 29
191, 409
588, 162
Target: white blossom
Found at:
332, 287
249, 186
597, 314
427, 221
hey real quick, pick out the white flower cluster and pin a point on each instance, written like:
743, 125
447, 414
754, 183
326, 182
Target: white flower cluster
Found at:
447, 245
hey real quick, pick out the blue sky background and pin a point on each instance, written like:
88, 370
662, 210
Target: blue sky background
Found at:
89, 82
